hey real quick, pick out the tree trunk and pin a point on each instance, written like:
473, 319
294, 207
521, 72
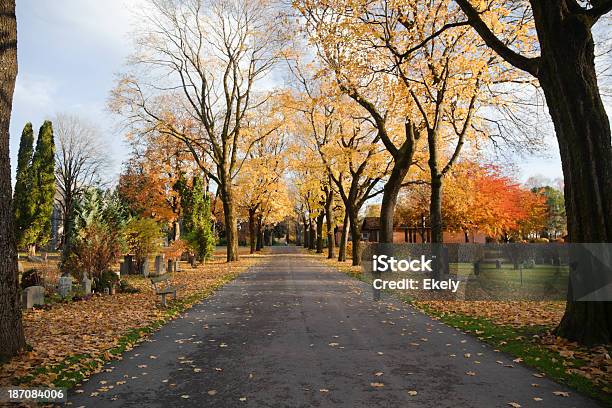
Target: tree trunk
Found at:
260, 244
389, 200
320, 219
435, 210
355, 238
312, 236
231, 226
252, 230
569, 81
12, 339
329, 223
343, 238
306, 235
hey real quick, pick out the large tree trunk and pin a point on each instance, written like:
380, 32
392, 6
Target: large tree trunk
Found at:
402, 161
260, 244
231, 226
12, 339
389, 200
355, 238
320, 219
343, 238
252, 230
568, 78
329, 224
312, 235
306, 234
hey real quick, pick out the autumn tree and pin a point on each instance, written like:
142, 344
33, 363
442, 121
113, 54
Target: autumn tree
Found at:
12, 339
80, 159
151, 181
563, 61
480, 198
211, 54
360, 75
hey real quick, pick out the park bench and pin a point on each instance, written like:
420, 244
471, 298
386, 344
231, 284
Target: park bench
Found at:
163, 287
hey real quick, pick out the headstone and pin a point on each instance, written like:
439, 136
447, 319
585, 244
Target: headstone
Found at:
123, 268
86, 285
33, 296
159, 265
106, 291
129, 261
177, 266
64, 288
193, 261
170, 265
20, 267
144, 268
35, 259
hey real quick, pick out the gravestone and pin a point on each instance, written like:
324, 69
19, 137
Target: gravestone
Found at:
64, 288
193, 261
123, 268
33, 296
20, 267
129, 261
144, 268
177, 266
170, 265
159, 265
86, 285
35, 259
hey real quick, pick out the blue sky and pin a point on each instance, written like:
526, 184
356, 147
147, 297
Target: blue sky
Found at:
69, 52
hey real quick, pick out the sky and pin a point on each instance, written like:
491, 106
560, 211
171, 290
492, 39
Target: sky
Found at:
69, 52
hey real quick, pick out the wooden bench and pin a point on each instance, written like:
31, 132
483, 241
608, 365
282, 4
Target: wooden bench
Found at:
161, 285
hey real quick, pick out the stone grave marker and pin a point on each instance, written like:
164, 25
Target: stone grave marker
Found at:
33, 296
159, 265
64, 288
86, 285
144, 268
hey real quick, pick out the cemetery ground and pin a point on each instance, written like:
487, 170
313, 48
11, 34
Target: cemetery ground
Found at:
294, 332
287, 328
70, 339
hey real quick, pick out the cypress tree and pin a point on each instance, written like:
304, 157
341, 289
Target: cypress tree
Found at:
43, 189
23, 203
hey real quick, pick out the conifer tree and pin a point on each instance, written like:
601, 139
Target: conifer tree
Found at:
43, 188
23, 204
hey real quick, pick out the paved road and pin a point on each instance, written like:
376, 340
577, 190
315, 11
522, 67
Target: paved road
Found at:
292, 333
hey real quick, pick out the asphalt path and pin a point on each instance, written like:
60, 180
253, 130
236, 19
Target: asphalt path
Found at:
291, 332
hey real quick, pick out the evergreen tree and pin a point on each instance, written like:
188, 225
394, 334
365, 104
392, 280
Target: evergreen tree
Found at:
43, 188
23, 203
197, 221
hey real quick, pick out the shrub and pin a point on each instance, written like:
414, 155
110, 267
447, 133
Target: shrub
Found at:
143, 236
96, 248
107, 279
